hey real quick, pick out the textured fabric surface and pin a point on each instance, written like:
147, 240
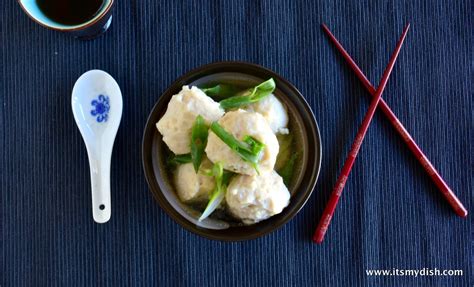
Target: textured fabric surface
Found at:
390, 215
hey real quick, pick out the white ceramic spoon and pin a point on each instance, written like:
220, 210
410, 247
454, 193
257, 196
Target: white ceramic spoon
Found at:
97, 108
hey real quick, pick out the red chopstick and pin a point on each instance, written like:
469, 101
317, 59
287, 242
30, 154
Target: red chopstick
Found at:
346, 169
422, 158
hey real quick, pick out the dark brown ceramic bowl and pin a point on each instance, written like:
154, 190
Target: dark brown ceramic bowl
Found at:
302, 125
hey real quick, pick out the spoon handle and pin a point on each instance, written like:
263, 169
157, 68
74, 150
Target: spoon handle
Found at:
100, 182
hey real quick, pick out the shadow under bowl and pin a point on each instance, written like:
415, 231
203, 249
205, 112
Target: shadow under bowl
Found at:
302, 125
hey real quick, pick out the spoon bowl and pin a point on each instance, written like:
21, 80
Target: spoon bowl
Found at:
97, 107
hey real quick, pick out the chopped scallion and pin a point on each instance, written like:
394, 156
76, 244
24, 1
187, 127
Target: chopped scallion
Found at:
249, 150
251, 96
199, 134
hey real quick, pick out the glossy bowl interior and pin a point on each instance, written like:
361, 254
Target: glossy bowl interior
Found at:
302, 126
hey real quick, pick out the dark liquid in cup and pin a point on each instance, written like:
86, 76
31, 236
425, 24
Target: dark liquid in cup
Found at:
70, 12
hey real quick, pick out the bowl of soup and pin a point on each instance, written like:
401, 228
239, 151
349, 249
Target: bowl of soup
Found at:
231, 151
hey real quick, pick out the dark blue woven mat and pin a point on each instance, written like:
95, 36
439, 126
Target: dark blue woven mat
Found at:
390, 216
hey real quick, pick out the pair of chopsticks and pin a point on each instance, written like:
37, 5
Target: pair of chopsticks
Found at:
377, 93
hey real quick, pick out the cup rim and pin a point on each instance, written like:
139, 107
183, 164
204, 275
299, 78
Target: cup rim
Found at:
71, 28
154, 185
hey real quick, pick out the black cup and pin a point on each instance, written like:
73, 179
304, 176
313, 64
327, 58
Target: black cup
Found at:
90, 29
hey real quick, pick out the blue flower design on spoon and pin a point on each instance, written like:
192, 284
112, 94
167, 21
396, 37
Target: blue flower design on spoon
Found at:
101, 108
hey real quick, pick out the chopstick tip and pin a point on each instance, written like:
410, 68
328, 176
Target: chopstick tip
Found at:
318, 239
462, 212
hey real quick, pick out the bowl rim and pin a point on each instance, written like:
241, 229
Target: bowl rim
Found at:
154, 186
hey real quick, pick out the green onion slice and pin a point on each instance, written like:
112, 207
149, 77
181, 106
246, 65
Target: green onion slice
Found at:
249, 150
222, 179
250, 96
220, 91
175, 160
199, 134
